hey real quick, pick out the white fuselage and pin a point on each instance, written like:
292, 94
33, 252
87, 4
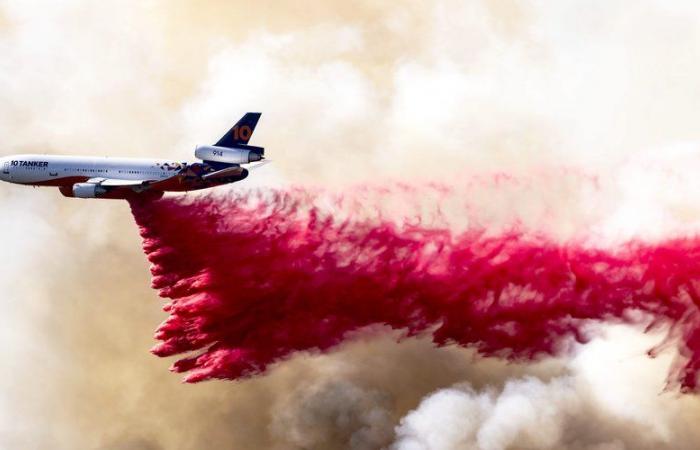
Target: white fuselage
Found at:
130, 178
52, 170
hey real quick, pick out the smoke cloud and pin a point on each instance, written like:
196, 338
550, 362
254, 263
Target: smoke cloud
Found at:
584, 409
603, 96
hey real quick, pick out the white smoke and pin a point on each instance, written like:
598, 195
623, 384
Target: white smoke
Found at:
24, 234
612, 398
485, 88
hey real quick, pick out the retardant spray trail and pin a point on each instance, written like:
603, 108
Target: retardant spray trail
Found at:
254, 278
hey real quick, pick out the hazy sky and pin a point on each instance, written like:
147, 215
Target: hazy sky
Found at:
590, 107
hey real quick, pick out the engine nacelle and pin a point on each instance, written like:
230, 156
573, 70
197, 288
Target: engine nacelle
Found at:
87, 190
243, 155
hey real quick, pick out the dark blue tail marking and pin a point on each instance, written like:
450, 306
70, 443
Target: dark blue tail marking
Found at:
241, 132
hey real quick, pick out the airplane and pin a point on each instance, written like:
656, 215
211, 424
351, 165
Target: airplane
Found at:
127, 178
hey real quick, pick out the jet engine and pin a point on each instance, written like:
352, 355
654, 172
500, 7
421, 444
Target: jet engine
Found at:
87, 190
241, 154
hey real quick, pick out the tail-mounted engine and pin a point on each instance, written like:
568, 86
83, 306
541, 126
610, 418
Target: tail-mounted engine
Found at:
239, 154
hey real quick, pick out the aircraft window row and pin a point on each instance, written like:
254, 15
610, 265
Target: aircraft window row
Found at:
142, 172
77, 169
83, 170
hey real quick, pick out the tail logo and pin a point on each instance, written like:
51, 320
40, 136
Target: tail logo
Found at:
242, 133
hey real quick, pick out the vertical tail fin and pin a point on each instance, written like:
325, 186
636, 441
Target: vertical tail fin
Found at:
241, 132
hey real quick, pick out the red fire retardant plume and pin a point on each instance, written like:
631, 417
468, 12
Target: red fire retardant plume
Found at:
253, 278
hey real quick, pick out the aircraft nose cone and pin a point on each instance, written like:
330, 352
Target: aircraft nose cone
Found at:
4, 169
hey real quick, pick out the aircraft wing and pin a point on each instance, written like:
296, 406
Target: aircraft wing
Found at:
135, 185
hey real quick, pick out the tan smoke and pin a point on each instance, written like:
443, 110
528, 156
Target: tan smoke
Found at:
352, 92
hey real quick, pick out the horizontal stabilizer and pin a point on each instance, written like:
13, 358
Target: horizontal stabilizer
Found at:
224, 173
